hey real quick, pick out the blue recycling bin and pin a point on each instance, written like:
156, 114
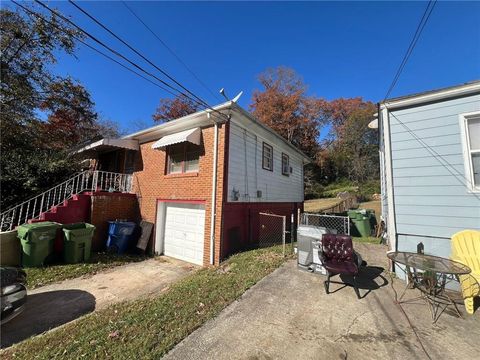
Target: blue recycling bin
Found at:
120, 236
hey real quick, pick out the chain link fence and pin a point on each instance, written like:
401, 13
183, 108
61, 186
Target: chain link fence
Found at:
273, 231
341, 224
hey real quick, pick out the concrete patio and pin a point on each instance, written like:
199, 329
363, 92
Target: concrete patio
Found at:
287, 315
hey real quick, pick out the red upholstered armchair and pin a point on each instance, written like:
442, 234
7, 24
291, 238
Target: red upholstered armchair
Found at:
338, 258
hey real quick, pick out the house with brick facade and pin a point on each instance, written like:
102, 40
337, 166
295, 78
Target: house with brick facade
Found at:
203, 180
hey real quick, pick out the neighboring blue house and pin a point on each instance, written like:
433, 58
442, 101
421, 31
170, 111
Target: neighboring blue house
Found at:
430, 167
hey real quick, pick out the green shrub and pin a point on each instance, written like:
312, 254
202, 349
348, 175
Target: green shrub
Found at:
363, 191
314, 192
367, 189
332, 190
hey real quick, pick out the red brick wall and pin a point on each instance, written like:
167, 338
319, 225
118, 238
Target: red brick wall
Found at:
241, 223
150, 183
109, 207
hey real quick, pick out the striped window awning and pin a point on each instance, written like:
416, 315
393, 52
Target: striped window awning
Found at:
110, 144
192, 135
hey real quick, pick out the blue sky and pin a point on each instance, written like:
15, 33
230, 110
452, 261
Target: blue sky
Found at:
342, 49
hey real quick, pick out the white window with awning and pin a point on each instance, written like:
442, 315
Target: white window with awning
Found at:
192, 136
183, 150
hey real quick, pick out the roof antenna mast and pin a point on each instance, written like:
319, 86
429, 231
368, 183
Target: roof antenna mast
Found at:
222, 92
235, 99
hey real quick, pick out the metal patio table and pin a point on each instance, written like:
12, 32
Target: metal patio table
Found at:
430, 274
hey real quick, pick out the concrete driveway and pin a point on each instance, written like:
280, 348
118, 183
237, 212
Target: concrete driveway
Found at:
287, 315
56, 304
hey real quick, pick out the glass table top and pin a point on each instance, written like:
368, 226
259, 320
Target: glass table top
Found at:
429, 263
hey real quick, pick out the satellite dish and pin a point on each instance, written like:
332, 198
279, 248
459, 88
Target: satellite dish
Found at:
373, 124
235, 99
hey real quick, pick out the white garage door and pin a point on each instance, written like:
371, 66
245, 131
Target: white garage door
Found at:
184, 232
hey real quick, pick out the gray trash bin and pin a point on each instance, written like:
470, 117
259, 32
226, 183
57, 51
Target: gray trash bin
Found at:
306, 234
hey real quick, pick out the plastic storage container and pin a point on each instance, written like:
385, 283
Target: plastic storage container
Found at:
120, 236
10, 249
77, 242
37, 242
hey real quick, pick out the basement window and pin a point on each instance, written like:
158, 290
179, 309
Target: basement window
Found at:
267, 156
285, 165
183, 158
470, 127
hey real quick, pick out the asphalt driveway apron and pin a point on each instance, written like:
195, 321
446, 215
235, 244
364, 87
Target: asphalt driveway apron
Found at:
56, 304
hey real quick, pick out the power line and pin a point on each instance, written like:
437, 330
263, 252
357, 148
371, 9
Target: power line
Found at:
98, 51
170, 50
436, 155
119, 54
106, 46
421, 25
98, 22
33, 13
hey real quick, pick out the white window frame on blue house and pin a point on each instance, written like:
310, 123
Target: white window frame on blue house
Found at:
468, 152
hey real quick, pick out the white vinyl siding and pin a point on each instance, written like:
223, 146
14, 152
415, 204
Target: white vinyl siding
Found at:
246, 175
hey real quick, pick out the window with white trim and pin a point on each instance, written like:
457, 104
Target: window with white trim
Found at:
471, 148
285, 164
267, 162
183, 158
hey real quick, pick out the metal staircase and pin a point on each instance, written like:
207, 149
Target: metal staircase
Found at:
47, 201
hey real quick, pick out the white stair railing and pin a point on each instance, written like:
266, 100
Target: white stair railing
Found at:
84, 181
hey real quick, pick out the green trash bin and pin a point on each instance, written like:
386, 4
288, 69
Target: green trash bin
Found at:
77, 243
37, 241
362, 226
361, 221
352, 214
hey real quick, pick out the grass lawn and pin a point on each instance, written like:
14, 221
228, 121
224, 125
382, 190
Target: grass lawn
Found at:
149, 328
318, 205
99, 261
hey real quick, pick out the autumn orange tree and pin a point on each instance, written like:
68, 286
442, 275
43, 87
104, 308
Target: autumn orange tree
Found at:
283, 105
72, 118
171, 109
348, 151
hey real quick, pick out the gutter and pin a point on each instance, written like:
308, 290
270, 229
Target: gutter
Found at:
471, 88
190, 119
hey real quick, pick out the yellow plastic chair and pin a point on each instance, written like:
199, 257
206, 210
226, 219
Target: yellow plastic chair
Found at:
466, 249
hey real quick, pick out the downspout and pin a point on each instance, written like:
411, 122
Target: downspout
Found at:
213, 214
391, 223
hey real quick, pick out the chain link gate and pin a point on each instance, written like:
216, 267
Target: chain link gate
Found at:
339, 223
273, 230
